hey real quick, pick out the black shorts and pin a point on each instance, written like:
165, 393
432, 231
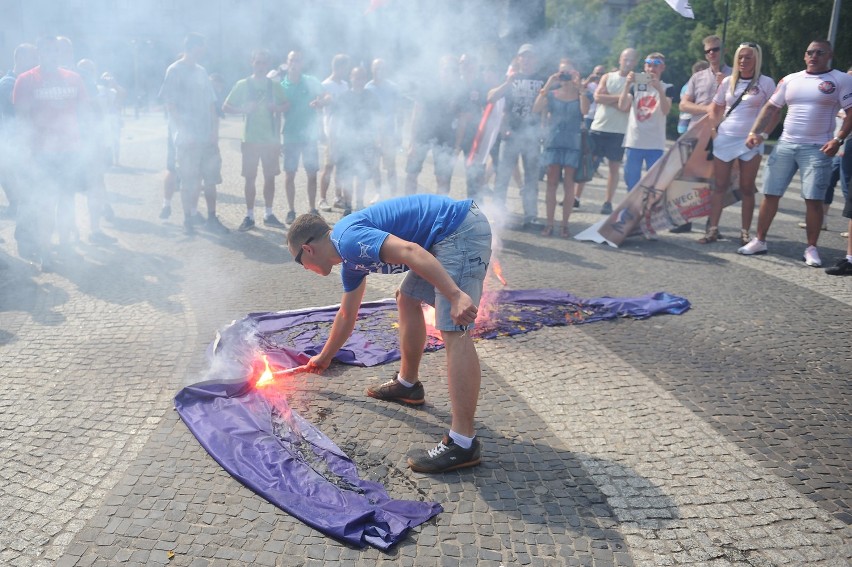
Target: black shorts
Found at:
608, 145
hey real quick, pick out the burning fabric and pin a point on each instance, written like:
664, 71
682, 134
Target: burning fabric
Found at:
243, 419
298, 335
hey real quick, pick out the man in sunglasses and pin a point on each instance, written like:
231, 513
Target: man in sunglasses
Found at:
703, 85
445, 245
807, 144
698, 99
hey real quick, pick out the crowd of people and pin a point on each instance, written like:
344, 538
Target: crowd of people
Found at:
63, 127
553, 126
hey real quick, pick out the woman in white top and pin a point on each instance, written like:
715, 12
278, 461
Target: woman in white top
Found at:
735, 107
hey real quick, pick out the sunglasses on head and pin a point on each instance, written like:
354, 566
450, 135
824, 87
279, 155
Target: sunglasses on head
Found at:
299, 255
712, 50
650, 61
749, 44
810, 52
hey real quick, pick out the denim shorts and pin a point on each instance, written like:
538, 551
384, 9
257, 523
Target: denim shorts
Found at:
465, 255
786, 159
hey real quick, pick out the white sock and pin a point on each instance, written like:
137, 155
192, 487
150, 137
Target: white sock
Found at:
250, 213
461, 440
268, 211
849, 258
405, 383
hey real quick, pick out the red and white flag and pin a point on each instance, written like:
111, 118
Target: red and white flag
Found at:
682, 7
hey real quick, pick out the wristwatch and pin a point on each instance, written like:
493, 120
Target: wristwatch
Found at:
839, 140
761, 135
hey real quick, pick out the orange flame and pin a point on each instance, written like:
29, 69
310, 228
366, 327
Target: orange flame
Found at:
266, 376
498, 270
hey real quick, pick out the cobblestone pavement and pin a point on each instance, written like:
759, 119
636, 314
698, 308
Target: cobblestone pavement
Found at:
719, 437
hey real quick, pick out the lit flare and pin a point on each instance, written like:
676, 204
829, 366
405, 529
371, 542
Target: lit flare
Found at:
498, 270
268, 375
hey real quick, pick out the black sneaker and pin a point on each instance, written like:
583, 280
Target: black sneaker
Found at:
291, 217
445, 456
272, 220
576, 203
213, 225
165, 212
606, 209
347, 211
315, 212
686, 227
247, 224
841, 268
393, 391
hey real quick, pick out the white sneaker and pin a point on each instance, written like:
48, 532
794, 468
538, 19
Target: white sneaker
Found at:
376, 198
324, 206
753, 248
811, 257
844, 235
805, 225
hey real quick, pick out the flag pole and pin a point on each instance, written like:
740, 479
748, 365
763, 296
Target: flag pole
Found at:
832, 27
725, 24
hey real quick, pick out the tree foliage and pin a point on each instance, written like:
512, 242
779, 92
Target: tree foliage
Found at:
783, 28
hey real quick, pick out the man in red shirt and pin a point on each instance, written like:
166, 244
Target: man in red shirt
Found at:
47, 101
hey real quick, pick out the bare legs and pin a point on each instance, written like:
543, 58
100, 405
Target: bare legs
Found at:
464, 374
612, 179
722, 177
553, 172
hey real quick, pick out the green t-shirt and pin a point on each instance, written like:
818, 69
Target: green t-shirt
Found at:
301, 123
262, 125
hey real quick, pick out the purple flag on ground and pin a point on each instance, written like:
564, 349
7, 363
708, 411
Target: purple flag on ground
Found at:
272, 450
255, 435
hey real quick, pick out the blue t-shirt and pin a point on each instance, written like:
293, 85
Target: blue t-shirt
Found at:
422, 219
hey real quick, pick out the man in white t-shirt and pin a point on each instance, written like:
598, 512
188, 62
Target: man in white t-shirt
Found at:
648, 100
807, 143
333, 86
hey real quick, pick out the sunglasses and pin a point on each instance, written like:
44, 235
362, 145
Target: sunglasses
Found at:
299, 255
811, 52
712, 50
653, 61
749, 44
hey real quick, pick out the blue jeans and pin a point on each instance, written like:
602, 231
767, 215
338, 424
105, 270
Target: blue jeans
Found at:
523, 143
633, 164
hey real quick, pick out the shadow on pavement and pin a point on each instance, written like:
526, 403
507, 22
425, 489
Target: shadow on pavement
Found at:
20, 292
532, 485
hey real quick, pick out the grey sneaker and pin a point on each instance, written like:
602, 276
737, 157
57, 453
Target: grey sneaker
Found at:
291, 217
393, 391
606, 208
445, 456
272, 220
247, 224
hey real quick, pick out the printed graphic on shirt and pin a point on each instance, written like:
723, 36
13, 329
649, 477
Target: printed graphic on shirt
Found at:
827, 87
645, 107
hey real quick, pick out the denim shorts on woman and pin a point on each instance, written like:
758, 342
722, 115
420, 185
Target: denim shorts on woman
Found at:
786, 159
465, 255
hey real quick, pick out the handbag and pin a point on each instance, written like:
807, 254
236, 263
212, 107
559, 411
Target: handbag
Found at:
586, 169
